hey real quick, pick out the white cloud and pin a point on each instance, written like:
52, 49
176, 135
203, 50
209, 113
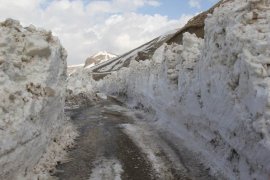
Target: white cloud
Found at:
195, 3
100, 25
130, 30
118, 6
154, 3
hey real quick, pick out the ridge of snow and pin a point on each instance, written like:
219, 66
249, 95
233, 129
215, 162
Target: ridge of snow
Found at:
214, 93
32, 96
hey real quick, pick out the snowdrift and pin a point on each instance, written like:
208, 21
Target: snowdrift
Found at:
32, 94
211, 92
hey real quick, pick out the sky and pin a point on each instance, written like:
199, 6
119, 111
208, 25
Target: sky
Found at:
86, 27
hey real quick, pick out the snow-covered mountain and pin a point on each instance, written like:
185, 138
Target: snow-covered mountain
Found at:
90, 62
98, 58
208, 84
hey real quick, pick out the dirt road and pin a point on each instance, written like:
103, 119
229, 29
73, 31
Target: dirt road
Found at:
113, 144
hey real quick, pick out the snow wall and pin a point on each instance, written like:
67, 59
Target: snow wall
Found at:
32, 94
213, 93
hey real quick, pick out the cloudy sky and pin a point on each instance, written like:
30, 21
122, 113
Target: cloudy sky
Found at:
88, 26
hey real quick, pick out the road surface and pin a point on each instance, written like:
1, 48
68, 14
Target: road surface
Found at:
116, 143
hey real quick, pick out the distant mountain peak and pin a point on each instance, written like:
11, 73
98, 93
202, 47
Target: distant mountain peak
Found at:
98, 58
105, 53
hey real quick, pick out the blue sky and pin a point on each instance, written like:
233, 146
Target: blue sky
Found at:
175, 8
85, 27
171, 8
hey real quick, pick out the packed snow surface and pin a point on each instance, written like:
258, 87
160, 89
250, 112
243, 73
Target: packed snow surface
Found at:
32, 94
212, 92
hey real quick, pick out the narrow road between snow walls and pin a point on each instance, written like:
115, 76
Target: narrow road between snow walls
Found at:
117, 143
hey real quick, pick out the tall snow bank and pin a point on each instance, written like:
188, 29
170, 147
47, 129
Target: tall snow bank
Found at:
80, 81
213, 93
80, 88
32, 94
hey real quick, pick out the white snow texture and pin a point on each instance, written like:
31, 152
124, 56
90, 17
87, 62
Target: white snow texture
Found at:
32, 94
213, 92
